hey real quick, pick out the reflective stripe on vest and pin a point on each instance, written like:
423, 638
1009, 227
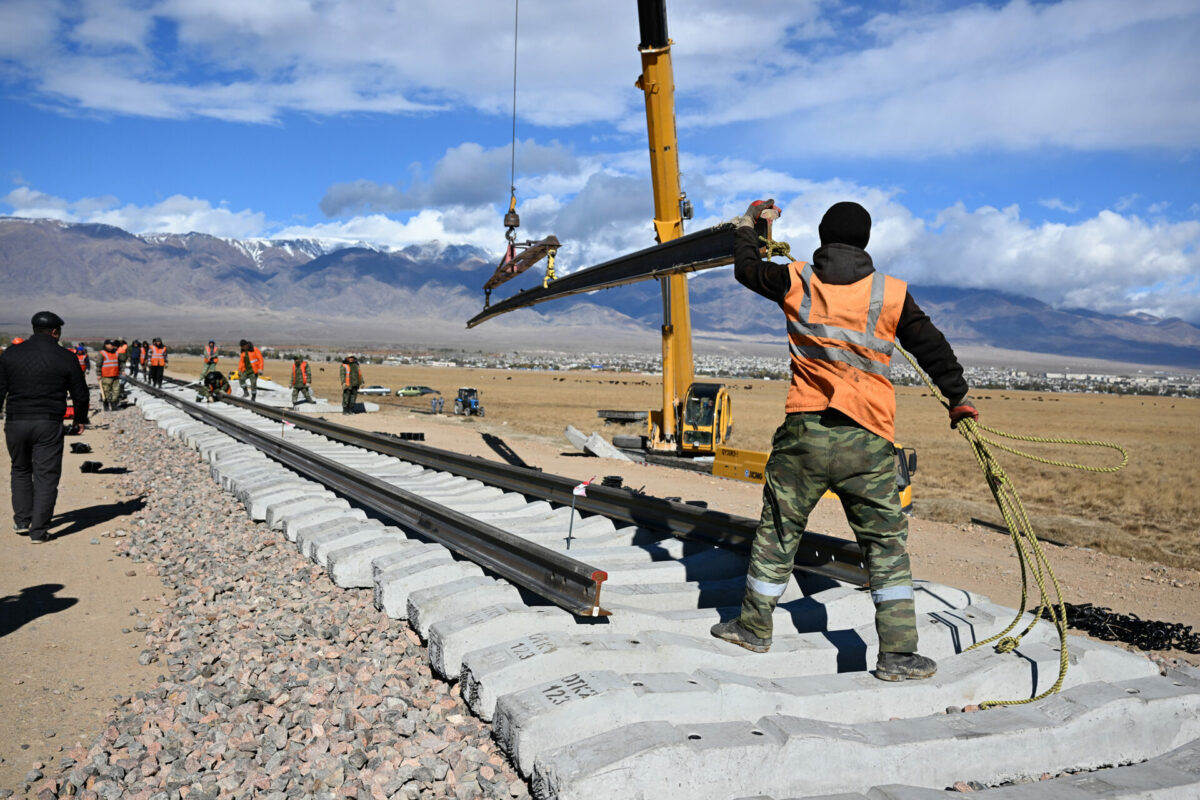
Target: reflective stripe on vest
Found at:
158, 356
82, 361
210, 355
841, 338
303, 372
110, 365
864, 340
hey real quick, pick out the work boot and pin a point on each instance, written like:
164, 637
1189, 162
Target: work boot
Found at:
21, 530
39, 537
904, 667
732, 631
253, 396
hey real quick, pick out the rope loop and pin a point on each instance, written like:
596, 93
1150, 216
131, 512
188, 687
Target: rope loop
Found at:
1029, 550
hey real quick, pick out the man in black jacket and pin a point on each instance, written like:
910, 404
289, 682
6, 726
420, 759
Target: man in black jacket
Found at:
36, 377
843, 320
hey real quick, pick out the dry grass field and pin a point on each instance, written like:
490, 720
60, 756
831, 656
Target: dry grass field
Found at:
1150, 510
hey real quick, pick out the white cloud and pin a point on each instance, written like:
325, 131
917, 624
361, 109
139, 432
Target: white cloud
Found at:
1085, 74
176, 214
1113, 262
1056, 204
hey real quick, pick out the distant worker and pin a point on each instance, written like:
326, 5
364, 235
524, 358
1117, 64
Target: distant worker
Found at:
35, 379
135, 357
843, 319
301, 379
108, 369
157, 359
250, 364
215, 383
433, 407
351, 378
81, 355
122, 353
441, 404
211, 357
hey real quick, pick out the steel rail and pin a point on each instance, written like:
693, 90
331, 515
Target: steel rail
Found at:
567, 583
840, 559
711, 247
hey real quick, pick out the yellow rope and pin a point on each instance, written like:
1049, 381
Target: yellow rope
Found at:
774, 248
1029, 550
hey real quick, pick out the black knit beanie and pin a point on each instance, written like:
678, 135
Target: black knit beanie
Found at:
846, 223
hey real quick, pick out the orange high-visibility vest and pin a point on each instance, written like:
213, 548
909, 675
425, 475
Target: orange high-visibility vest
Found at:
110, 365
254, 358
82, 361
303, 372
123, 349
841, 339
158, 356
346, 378
210, 354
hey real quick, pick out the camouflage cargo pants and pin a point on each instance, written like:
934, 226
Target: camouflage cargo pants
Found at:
810, 453
252, 377
301, 388
110, 390
208, 367
349, 398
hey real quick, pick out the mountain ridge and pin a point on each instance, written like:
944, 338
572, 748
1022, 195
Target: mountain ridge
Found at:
102, 272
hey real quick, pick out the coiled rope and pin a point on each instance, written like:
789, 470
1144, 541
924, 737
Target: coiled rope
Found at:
1029, 550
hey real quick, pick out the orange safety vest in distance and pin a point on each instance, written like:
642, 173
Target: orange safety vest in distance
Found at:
82, 361
254, 358
346, 379
303, 372
123, 349
841, 339
210, 355
158, 356
110, 366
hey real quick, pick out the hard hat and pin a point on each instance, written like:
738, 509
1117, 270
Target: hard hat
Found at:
46, 319
80, 349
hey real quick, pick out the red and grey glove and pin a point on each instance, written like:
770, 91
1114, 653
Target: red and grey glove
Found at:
759, 209
963, 409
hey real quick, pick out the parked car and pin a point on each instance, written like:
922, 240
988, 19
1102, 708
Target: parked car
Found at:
383, 390
415, 391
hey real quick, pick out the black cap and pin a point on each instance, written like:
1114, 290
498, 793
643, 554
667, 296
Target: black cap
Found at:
846, 223
46, 320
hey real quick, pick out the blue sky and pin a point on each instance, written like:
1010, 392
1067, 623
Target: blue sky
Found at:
1045, 148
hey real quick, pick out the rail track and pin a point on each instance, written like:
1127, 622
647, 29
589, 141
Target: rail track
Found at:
594, 663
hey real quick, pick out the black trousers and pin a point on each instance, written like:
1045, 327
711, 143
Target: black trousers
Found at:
133, 369
36, 449
156, 375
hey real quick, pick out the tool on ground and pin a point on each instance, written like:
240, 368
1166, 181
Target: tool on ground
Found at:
1029, 551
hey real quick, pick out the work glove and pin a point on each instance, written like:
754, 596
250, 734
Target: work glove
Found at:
963, 409
759, 209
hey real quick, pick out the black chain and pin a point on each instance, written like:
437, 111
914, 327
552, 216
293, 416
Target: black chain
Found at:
1144, 634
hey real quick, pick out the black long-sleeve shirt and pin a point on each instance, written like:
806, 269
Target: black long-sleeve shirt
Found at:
37, 375
841, 264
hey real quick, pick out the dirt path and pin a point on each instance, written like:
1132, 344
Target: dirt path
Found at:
66, 603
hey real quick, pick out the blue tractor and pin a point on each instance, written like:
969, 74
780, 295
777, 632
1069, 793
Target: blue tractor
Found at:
467, 403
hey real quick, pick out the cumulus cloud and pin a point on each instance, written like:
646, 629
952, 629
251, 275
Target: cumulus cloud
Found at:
1114, 261
927, 78
176, 214
467, 175
1056, 204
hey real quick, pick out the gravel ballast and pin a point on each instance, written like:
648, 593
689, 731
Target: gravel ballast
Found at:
275, 682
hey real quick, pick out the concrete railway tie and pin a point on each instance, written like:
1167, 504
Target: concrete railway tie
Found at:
645, 704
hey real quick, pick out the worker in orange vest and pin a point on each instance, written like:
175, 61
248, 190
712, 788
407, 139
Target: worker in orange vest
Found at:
351, 378
250, 365
844, 320
301, 379
108, 368
157, 358
81, 354
211, 357
122, 353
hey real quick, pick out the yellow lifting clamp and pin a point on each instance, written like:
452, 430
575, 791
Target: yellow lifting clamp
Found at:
550, 253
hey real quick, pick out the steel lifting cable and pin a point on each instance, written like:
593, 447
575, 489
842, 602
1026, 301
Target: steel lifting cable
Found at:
1029, 550
512, 169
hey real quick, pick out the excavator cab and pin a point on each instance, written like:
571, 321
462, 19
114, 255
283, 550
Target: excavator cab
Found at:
706, 418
